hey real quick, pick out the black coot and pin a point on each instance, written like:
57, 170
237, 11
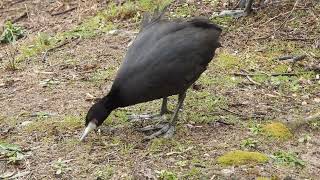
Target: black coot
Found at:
165, 59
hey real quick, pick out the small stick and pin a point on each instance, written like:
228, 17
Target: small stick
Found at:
313, 117
275, 17
254, 82
299, 39
56, 47
273, 74
242, 116
294, 58
63, 12
16, 2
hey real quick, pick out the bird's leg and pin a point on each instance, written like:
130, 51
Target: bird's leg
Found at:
167, 130
164, 107
163, 110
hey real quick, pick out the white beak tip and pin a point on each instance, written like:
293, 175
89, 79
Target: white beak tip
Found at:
91, 126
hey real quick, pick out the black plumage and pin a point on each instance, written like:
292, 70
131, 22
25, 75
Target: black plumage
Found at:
165, 59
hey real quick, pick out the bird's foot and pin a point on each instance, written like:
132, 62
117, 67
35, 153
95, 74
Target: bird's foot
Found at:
166, 130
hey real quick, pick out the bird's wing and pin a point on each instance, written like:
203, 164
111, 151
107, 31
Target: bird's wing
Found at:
168, 65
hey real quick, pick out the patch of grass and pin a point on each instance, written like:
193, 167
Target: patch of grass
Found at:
186, 10
150, 5
11, 33
226, 81
277, 130
193, 173
222, 21
117, 118
255, 128
106, 172
304, 138
126, 148
242, 157
167, 175
165, 145
114, 12
120, 145
50, 125
315, 124
43, 42
285, 83
288, 158
182, 163
39, 44
61, 166
200, 104
249, 143
103, 74
12, 151
228, 62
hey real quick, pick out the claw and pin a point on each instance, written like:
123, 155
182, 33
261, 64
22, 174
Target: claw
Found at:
170, 132
167, 130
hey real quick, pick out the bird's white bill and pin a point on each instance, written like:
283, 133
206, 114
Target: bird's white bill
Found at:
91, 126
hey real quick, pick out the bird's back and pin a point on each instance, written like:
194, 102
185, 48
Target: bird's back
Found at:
165, 59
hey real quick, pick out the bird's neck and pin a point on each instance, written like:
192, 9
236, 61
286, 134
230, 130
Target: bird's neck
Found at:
110, 101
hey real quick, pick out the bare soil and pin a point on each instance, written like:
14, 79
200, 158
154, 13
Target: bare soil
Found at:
44, 102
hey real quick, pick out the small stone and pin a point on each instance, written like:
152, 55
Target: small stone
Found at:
25, 123
317, 100
304, 103
227, 172
114, 32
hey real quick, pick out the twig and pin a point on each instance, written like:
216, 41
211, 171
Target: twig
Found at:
63, 12
242, 116
282, 24
254, 82
313, 117
56, 47
298, 39
290, 13
275, 17
16, 2
225, 123
293, 58
273, 74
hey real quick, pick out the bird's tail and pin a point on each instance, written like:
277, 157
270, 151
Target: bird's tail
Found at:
149, 18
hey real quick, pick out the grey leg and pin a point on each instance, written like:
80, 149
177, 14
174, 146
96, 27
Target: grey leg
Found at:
169, 129
164, 107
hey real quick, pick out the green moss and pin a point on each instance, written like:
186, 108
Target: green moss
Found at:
186, 10
105, 172
263, 178
50, 125
222, 21
167, 175
277, 130
103, 74
125, 11
150, 5
193, 173
242, 157
227, 61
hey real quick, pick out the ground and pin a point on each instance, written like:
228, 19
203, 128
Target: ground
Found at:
67, 59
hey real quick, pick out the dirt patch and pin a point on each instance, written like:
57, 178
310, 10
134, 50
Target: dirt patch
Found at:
44, 102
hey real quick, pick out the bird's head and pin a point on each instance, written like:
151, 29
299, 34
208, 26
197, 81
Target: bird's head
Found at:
96, 116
